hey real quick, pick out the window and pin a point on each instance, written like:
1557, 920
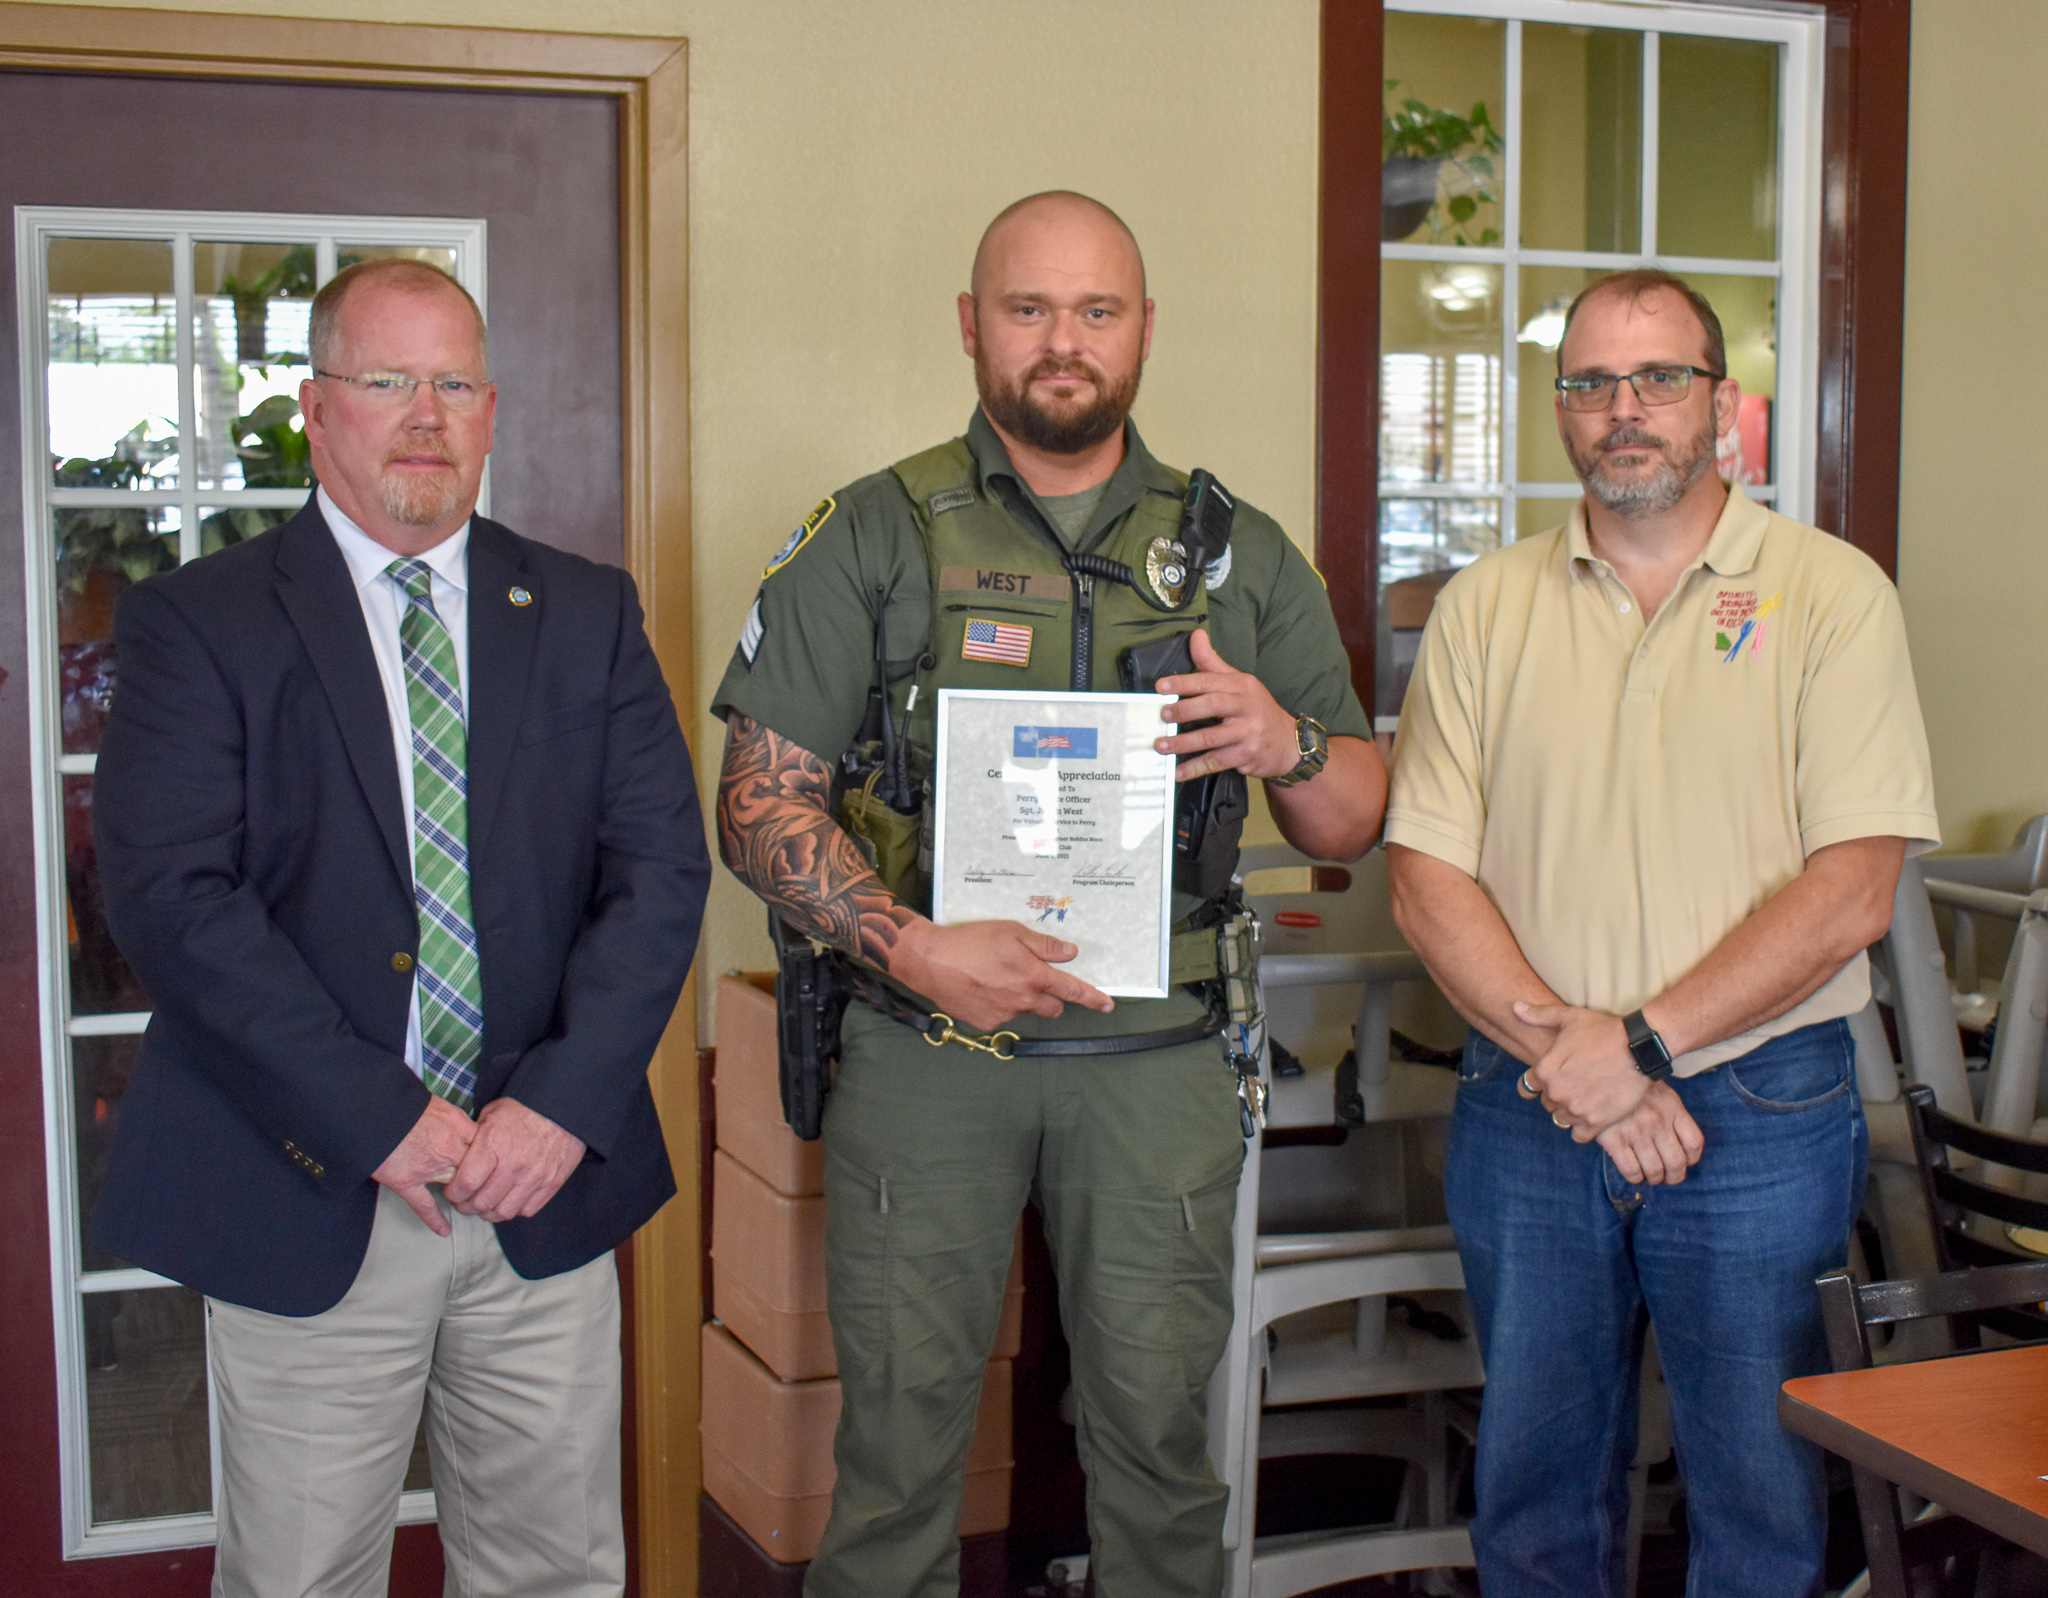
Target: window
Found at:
161, 354
1529, 147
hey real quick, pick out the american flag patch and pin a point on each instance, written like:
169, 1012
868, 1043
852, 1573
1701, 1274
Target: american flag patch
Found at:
995, 640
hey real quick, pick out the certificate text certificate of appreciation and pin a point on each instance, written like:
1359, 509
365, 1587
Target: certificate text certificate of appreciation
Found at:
1056, 811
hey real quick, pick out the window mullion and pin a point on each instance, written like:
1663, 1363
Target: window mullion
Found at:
1647, 243
188, 400
1508, 467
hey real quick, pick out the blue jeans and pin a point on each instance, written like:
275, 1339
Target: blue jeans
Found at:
1566, 1263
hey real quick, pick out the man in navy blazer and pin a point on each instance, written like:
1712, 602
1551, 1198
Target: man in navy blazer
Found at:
398, 828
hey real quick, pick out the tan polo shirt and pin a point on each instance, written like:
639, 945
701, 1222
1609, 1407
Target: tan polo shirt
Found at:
1626, 795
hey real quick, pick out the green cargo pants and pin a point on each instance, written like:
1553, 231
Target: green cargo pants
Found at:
931, 1154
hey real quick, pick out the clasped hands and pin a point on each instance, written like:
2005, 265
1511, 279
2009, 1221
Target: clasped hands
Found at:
1588, 1081
508, 1162
982, 974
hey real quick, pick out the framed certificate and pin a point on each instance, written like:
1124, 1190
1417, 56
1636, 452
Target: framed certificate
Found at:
1054, 809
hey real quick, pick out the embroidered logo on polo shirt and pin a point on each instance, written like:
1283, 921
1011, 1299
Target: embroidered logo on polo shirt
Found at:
1741, 621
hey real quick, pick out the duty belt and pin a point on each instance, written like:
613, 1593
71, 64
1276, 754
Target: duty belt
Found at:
939, 1029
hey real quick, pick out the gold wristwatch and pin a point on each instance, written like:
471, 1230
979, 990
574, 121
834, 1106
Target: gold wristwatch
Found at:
1315, 752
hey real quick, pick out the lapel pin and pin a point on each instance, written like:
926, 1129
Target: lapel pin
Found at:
520, 596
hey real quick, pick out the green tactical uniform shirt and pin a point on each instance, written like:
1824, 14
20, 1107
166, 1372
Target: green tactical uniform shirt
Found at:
806, 655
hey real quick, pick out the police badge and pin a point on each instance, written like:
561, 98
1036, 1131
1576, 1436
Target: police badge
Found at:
1166, 569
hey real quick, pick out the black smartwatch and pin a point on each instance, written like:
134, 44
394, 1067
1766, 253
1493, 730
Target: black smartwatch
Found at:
1651, 1057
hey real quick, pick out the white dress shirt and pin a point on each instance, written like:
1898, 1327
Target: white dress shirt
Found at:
384, 602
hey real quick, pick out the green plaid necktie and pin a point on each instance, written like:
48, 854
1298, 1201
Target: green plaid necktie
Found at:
450, 983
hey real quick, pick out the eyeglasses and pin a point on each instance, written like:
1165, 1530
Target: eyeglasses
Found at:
1654, 385
396, 389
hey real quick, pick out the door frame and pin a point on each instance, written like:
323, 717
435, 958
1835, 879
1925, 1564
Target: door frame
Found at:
1862, 303
647, 78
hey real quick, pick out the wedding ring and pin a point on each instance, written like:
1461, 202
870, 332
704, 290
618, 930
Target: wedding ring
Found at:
1529, 1087
1561, 1124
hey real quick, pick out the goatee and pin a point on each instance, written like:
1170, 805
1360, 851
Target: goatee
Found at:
1072, 429
419, 501
1637, 497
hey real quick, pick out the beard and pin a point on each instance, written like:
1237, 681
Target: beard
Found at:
415, 501
1072, 428
1635, 498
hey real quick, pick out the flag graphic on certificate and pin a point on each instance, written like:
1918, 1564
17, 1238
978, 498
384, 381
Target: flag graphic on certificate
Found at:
1055, 809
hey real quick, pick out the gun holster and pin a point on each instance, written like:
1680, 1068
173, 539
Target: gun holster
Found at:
1208, 813
810, 1001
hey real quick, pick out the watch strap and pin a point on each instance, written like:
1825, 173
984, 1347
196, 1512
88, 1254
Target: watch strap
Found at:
1314, 744
1652, 1058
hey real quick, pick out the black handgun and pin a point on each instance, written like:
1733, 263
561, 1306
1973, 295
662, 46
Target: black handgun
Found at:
1208, 813
810, 1002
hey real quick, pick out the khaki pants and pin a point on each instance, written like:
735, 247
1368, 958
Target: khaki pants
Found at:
521, 1385
930, 1155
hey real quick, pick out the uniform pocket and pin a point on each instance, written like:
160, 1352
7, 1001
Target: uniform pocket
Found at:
859, 1262
1202, 1306
1796, 1072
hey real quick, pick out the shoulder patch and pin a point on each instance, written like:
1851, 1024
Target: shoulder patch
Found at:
949, 499
802, 536
1218, 571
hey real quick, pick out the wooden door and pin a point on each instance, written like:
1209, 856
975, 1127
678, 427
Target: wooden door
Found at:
541, 172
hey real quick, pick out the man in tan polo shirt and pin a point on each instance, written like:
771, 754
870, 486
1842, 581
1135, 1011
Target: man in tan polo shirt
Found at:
1656, 774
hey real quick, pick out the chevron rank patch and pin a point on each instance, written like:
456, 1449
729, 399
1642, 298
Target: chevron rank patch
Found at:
750, 634
802, 536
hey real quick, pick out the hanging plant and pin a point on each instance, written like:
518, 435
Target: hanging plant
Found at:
1416, 142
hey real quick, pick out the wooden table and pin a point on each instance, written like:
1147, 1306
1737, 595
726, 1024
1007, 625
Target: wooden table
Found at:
1970, 1432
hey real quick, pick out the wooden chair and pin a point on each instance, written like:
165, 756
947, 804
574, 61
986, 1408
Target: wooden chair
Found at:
1974, 1210
1982, 1285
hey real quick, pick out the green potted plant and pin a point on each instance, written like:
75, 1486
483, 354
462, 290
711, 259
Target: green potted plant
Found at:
1415, 143
274, 455
117, 540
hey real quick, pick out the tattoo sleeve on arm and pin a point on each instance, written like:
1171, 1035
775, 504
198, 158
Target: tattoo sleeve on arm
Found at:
777, 835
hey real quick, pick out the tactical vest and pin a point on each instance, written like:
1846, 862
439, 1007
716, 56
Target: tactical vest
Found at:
987, 567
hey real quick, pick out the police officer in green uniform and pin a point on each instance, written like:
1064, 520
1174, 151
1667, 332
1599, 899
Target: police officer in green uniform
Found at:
1045, 550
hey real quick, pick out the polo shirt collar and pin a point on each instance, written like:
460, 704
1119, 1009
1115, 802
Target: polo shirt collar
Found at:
1137, 475
1738, 538
1732, 549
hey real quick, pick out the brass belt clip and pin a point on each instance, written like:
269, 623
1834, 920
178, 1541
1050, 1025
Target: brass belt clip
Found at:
1237, 959
1003, 1045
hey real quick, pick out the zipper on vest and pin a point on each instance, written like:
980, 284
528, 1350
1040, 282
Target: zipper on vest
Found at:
1082, 678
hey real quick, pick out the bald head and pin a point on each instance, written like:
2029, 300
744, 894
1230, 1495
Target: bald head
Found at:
1058, 223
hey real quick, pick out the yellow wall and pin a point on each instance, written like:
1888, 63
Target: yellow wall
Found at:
1973, 572
844, 159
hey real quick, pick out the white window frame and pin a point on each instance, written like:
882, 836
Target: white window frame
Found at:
1796, 268
34, 226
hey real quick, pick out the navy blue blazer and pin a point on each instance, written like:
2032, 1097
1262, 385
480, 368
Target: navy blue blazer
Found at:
256, 865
